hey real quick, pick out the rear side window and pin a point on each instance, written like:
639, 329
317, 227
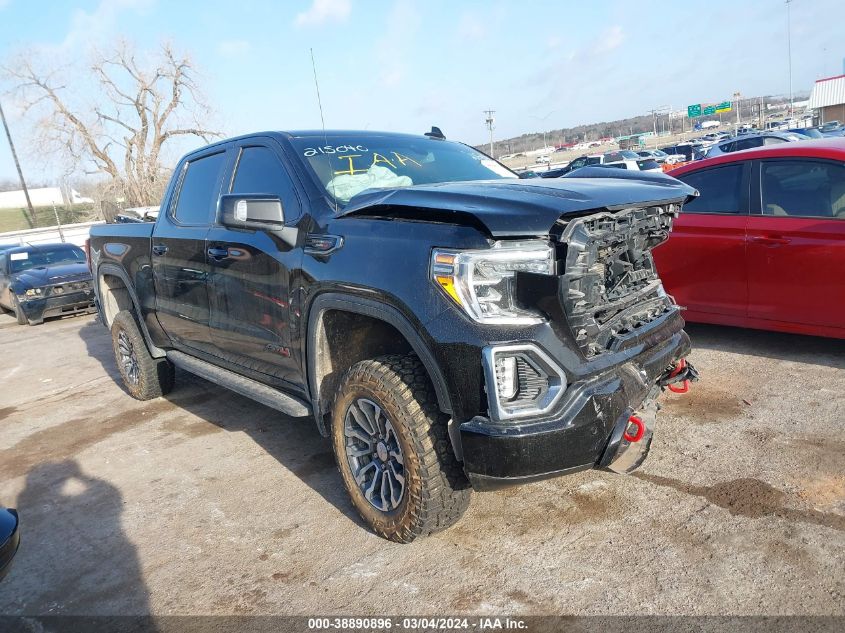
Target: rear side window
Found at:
748, 143
803, 188
773, 140
197, 198
259, 170
720, 189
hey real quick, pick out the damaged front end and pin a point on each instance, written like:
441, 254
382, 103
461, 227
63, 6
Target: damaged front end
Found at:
610, 286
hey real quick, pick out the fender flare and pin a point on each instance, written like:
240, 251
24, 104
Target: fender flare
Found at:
117, 271
377, 310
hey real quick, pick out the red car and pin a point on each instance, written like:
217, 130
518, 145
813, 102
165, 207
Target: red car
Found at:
764, 245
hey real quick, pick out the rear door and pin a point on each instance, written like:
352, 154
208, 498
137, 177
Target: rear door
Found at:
796, 242
703, 262
180, 270
249, 272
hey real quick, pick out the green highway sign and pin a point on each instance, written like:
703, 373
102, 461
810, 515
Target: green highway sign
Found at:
709, 110
694, 110
725, 106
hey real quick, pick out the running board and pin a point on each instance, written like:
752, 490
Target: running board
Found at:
252, 389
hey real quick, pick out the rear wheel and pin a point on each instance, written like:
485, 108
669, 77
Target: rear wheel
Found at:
19, 313
145, 377
393, 451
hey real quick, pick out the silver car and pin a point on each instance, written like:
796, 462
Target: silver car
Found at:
749, 141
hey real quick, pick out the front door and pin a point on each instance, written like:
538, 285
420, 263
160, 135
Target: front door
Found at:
796, 246
703, 263
178, 255
249, 274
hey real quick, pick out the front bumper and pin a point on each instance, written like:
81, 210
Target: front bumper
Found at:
580, 435
38, 309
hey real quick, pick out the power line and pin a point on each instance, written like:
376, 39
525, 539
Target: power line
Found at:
789, 52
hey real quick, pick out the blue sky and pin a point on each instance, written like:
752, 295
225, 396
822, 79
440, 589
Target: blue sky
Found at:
406, 65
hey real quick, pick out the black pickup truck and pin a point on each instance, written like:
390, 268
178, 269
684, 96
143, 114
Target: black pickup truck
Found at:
449, 326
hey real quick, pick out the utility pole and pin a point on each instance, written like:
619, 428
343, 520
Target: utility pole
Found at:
789, 52
489, 121
737, 97
30, 217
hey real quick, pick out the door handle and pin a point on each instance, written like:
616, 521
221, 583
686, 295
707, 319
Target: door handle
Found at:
159, 249
769, 240
218, 253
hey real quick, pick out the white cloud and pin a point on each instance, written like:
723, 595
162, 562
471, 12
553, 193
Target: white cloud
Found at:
233, 48
322, 11
472, 27
101, 23
610, 40
401, 27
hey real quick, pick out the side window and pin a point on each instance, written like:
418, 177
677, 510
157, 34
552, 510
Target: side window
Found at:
260, 171
2, 264
197, 198
748, 143
578, 162
728, 147
803, 188
720, 189
773, 140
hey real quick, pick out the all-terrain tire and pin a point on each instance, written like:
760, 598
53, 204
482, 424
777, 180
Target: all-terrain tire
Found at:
145, 377
436, 492
19, 313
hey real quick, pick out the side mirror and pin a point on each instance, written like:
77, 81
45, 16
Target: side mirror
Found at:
252, 211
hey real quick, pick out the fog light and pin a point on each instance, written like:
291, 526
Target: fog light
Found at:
507, 381
522, 381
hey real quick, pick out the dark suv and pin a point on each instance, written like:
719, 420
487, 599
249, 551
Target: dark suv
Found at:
448, 325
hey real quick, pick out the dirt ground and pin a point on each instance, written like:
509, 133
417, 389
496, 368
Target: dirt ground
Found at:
206, 503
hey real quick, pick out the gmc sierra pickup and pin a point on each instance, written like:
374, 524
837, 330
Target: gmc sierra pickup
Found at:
449, 326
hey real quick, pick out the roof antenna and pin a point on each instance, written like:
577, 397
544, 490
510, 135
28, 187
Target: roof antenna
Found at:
322, 121
436, 133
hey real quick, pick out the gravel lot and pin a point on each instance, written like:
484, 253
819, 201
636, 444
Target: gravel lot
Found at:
206, 503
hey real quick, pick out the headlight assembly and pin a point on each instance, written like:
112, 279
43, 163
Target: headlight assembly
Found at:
33, 292
481, 282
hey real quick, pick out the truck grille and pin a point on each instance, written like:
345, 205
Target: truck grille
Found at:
74, 286
610, 286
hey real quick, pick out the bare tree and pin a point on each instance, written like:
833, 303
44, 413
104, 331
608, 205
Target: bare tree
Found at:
122, 128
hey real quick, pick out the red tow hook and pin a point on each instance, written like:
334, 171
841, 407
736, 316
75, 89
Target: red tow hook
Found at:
683, 387
637, 435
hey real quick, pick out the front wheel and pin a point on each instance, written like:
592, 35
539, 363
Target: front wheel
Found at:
19, 313
393, 451
145, 377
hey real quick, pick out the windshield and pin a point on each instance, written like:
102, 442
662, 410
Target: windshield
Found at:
24, 260
346, 166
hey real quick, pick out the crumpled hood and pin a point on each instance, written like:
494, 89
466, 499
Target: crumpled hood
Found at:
524, 207
48, 275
